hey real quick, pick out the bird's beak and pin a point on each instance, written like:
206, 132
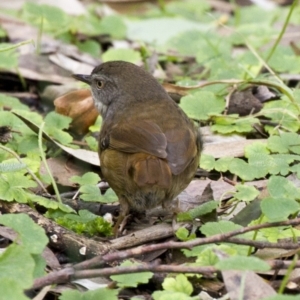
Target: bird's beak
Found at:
85, 78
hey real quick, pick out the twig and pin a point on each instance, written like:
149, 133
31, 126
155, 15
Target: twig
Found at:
263, 244
224, 237
76, 271
70, 274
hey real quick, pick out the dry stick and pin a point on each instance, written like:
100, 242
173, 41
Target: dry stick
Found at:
205, 270
100, 260
263, 244
208, 270
65, 274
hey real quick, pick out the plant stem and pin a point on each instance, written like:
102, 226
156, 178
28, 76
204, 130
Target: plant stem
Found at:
28, 170
283, 29
46, 165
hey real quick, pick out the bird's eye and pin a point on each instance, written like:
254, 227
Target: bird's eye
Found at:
100, 84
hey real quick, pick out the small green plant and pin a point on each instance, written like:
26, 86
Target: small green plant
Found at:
86, 223
89, 190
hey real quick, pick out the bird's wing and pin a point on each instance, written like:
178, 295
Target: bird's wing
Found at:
178, 146
140, 136
181, 148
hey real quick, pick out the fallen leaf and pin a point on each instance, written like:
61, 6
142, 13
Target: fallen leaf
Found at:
240, 284
79, 106
88, 156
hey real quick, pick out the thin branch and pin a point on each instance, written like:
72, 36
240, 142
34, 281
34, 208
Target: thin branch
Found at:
263, 244
207, 270
70, 274
224, 237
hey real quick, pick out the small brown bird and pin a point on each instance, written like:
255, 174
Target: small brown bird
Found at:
149, 149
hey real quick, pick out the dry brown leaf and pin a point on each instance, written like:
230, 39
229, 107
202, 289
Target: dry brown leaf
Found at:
63, 168
70, 64
231, 149
248, 284
244, 284
79, 106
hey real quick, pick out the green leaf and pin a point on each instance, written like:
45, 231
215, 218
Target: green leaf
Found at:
178, 284
88, 24
97, 125
280, 187
256, 147
133, 279
260, 163
92, 143
39, 265
223, 163
212, 228
109, 196
107, 294
31, 236
91, 47
3, 33
11, 102
279, 209
54, 124
274, 235
128, 55
51, 18
296, 169
190, 10
88, 178
47, 203
257, 169
114, 26
280, 163
207, 162
83, 216
285, 143
160, 30
65, 208
246, 192
248, 33
23, 266
233, 123
11, 288
167, 295
11, 187
27, 143
252, 14
9, 58
191, 42
242, 263
184, 235
284, 54
198, 211
201, 104
195, 251
11, 166
208, 257
90, 193
283, 113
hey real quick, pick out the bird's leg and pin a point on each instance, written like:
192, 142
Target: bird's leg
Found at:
122, 218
